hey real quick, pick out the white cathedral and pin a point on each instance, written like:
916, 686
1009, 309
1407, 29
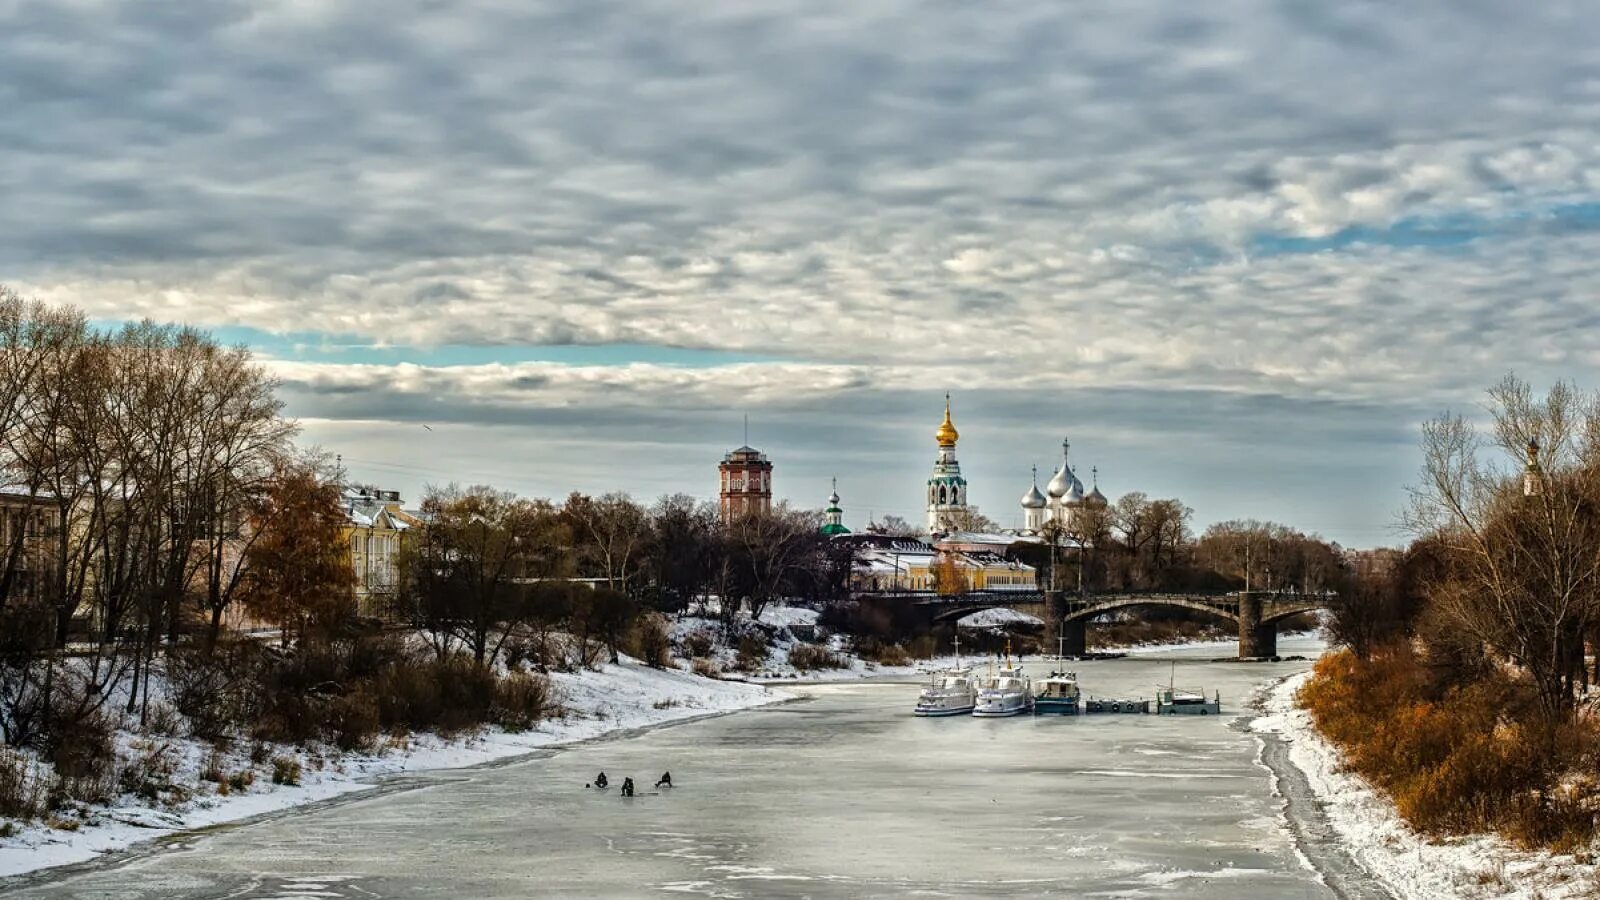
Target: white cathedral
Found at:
1063, 499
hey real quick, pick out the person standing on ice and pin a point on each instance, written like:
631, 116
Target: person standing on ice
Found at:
627, 787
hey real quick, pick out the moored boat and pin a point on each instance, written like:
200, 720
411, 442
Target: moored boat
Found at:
1056, 695
1004, 692
1171, 701
950, 692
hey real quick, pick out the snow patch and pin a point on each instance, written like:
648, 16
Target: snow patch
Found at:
1408, 864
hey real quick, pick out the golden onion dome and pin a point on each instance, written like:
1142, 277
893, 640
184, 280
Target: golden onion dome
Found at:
947, 435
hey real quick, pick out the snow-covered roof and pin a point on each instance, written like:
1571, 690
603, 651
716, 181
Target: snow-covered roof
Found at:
979, 537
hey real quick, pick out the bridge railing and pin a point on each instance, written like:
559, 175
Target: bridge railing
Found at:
1075, 600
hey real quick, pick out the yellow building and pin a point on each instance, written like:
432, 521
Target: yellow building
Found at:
887, 564
30, 526
377, 527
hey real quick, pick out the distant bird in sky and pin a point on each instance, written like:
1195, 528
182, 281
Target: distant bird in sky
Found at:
425, 426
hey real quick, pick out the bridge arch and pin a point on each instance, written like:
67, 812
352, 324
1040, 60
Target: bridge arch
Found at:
960, 609
1085, 613
1278, 614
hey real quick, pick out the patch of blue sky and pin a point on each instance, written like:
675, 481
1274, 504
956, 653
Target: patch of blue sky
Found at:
1445, 233
311, 346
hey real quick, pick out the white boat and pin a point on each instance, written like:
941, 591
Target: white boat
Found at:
950, 692
1004, 691
1173, 702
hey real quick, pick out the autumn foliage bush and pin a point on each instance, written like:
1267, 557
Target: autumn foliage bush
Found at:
1453, 757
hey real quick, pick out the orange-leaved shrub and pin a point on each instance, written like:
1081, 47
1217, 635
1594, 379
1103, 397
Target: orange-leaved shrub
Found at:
1455, 759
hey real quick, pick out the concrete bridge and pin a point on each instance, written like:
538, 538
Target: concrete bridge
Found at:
1255, 613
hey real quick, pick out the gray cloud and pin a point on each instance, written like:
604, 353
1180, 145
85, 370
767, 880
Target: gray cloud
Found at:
896, 196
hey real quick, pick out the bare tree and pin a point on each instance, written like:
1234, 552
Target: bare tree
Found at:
770, 551
972, 520
1523, 547
895, 526
470, 576
611, 532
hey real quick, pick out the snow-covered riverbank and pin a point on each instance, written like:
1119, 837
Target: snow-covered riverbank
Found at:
616, 698
1407, 864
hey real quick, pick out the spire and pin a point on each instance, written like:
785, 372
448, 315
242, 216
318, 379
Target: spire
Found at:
947, 434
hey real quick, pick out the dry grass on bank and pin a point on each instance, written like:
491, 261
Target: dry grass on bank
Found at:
1459, 759
807, 657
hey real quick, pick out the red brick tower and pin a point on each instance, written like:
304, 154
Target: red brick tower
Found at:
746, 483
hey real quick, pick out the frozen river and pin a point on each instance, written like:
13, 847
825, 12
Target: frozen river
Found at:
843, 794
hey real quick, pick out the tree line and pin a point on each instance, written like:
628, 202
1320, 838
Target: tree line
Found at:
1140, 543
488, 568
153, 493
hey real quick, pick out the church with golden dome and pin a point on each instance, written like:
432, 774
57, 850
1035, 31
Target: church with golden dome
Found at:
947, 490
1064, 500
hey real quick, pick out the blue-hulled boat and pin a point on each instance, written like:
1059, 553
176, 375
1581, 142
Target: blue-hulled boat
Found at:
1056, 695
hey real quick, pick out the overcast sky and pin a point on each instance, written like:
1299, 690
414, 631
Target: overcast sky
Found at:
1236, 251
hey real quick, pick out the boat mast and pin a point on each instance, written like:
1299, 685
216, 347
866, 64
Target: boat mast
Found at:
958, 646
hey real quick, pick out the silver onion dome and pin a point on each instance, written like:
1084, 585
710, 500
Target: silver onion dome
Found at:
1062, 483
1074, 494
1033, 499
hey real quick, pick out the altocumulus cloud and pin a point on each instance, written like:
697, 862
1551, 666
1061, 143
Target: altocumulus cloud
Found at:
1160, 228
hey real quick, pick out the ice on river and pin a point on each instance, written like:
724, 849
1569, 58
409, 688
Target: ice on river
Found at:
841, 795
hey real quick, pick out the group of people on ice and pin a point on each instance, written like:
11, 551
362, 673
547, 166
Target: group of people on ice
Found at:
601, 782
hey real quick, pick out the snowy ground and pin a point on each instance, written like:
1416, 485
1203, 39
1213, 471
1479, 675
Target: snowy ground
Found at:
1409, 865
619, 697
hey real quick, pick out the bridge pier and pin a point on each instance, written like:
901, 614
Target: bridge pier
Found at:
1076, 633
1256, 639
1267, 639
